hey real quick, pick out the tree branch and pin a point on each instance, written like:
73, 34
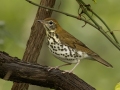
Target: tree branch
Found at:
80, 2
80, 18
85, 10
67, 14
35, 40
24, 72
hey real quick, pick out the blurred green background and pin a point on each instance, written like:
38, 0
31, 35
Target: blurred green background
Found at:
16, 19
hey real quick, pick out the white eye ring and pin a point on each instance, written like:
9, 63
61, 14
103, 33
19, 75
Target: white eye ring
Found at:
50, 22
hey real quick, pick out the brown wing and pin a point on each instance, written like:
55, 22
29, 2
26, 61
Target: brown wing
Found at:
71, 41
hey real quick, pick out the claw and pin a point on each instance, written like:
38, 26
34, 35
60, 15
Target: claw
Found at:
67, 71
53, 68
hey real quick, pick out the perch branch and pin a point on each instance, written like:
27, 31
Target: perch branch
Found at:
24, 72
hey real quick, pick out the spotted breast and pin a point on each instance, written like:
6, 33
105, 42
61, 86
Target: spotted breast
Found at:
63, 52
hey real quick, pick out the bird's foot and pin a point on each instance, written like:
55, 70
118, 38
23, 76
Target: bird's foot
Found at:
67, 71
53, 68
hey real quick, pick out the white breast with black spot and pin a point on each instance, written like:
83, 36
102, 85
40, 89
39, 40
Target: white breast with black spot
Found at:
64, 52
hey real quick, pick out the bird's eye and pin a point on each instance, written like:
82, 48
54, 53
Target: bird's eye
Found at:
50, 22
51, 25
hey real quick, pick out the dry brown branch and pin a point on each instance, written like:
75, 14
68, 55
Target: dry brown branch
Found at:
24, 72
36, 38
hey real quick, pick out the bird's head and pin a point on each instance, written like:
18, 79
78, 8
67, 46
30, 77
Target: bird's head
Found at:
50, 25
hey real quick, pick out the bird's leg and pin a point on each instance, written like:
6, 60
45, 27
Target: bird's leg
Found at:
74, 66
57, 67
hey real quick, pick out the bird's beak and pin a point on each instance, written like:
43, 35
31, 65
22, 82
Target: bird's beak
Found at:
41, 21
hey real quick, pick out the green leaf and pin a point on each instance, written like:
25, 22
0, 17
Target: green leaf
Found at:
117, 87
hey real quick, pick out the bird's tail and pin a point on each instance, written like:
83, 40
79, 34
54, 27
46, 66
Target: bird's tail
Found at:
100, 60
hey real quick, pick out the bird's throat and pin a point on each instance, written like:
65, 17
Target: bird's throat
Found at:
53, 37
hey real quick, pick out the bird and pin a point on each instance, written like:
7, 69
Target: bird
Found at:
66, 47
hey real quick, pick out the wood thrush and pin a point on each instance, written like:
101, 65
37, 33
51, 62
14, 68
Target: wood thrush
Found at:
66, 47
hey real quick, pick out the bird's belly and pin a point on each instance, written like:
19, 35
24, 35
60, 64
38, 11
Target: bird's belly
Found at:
65, 53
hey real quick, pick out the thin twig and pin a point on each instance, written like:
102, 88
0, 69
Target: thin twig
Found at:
67, 14
89, 9
80, 15
112, 31
79, 18
106, 26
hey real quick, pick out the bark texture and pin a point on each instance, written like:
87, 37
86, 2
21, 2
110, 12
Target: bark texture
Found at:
35, 41
25, 72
